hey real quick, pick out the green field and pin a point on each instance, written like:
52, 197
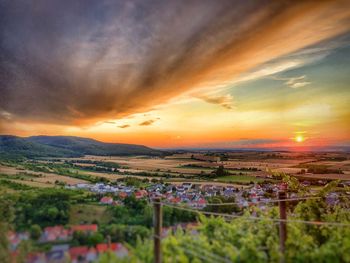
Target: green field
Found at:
196, 167
239, 179
88, 214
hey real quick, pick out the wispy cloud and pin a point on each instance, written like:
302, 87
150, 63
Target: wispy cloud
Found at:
147, 123
5, 115
244, 143
63, 63
271, 68
253, 142
124, 126
295, 82
298, 59
225, 101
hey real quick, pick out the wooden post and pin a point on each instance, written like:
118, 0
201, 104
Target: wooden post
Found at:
283, 224
109, 242
157, 224
109, 250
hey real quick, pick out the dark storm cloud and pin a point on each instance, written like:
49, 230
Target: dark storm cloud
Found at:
74, 62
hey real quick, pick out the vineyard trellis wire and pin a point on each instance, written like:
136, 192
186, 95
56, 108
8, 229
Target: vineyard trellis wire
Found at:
253, 217
157, 203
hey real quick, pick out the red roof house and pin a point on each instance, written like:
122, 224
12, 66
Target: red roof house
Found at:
106, 200
78, 254
84, 228
123, 195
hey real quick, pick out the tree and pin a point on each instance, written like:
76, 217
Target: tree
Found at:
6, 219
220, 171
228, 209
52, 213
95, 239
35, 232
23, 250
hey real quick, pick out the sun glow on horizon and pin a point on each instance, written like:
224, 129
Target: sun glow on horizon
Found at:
299, 138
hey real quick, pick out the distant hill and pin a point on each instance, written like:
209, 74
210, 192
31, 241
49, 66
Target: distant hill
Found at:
67, 146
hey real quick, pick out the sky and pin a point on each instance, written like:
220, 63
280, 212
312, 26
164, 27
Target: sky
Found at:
178, 74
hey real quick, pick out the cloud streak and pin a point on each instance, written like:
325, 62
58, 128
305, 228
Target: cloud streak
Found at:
147, 123
124, 126
77, 63
297, 82
245, 143
225, 101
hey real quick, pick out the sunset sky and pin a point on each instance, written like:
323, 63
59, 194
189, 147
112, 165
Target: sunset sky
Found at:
211, 74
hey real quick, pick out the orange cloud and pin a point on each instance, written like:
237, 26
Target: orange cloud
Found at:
225, 101
147, 123
124, 126
86, 71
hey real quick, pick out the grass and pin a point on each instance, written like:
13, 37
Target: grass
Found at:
88, 214
11, 184
239, 178
239, 172
196, 167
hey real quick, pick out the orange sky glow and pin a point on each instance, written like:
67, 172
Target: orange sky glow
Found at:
278, 78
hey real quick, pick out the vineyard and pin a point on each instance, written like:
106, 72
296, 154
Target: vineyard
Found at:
296, 226
315, 232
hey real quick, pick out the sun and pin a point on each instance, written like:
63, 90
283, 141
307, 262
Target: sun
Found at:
299, 138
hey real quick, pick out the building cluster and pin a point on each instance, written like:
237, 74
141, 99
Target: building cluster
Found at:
82, 254
102, 188
62, 251
61, 233
194, 195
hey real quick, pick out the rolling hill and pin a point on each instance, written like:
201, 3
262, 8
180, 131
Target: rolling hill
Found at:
67, 146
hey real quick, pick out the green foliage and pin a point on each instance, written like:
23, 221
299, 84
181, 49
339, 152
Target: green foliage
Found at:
87, 239
139, 212
220, 171
14, 185
35, 232
133, 181
44, 207
126, 233
88, 214
13, 147
108, 258
229, 209
134, 212
66, 146
173, 216
239, 179
25, 247
292, 183
6, 219
247, 240
4, 244
244, 240
7, 211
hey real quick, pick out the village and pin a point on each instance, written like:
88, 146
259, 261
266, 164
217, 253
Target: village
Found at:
189, 194
61, 251
192, 195
247, 188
